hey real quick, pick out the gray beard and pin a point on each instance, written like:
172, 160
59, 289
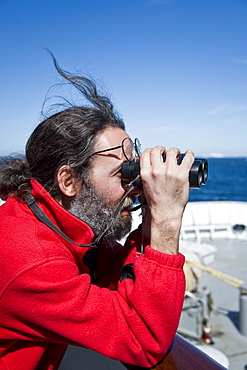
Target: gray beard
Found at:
99, 214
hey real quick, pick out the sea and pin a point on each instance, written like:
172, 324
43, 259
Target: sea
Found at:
227, 180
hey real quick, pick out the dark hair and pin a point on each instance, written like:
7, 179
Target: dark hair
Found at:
14, 177
65, 138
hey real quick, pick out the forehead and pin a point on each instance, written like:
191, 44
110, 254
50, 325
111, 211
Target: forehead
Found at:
109, 138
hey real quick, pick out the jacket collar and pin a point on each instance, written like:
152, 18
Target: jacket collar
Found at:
73, 227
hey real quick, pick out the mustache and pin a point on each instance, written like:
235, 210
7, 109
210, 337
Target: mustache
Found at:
128, 202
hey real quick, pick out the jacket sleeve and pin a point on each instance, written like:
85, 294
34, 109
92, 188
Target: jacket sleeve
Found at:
135, 323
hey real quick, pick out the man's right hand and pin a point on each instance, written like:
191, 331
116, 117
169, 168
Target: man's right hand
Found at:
166, 189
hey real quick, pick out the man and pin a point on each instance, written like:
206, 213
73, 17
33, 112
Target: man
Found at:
62, 274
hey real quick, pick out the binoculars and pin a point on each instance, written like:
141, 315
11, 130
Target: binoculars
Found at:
197, 176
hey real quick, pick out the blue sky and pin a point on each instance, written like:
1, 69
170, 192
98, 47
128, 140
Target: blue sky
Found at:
176, 70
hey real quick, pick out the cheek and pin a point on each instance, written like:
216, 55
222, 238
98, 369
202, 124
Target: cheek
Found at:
109, 188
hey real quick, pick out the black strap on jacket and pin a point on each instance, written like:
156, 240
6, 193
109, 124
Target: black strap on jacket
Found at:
32, 204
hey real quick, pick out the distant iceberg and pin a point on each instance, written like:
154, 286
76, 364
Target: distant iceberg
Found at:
216, 155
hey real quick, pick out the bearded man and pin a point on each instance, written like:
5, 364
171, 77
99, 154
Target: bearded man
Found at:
62, 270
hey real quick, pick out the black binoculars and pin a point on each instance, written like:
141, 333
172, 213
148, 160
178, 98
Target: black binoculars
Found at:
197, 176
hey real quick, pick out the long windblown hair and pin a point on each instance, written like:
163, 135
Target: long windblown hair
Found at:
65, 138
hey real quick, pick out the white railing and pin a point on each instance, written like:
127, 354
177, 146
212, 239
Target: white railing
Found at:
224, 219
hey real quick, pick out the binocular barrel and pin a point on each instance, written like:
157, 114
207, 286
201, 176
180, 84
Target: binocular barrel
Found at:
197, 176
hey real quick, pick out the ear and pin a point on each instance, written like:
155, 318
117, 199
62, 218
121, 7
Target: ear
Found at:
67, 183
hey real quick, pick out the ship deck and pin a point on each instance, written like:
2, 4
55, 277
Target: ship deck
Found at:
230, 258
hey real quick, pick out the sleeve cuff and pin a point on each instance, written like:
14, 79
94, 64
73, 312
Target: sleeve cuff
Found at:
171, 260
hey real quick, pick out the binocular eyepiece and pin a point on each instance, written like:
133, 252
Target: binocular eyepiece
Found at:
197, 176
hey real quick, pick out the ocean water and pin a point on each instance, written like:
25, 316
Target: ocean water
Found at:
227, 180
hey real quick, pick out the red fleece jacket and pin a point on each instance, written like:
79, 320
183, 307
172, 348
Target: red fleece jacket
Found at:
47, 299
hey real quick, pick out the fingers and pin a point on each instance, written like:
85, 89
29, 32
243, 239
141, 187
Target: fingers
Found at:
150, 160
156, 162
186, 162
153, 155
189, 157
159, 155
